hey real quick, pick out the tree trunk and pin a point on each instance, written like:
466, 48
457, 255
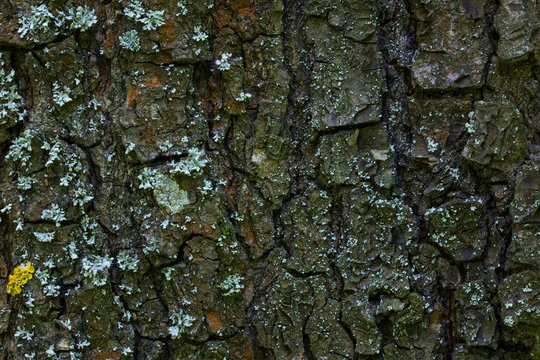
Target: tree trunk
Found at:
270, 179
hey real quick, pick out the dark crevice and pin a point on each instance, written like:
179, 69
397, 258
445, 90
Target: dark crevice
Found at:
308, 353
472, 93
302, 275
33, 47
163, 159
103, 63
299, 69
94, 178
345, 128
7, 338
24, 85
448, 323
201, 77
384, 324
345, 326
490, 10
136, 343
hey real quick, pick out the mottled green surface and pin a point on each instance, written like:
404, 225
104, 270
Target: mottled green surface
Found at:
271, 179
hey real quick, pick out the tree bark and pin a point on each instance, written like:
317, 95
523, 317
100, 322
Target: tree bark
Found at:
270, 179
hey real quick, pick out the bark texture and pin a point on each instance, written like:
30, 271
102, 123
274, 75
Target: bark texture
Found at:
270, 179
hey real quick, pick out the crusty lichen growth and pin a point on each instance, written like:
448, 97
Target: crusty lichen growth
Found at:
21, 275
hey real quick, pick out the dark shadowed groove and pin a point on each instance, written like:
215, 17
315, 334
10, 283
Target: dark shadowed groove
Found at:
490, 10
103, 63
344, 128
7, 338
308, 353
338, 283
23, 82
17, 62
397, 85
448, 323
395, 18
296, 118
32, 47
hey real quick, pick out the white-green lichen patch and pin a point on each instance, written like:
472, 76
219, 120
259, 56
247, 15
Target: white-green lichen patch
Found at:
168, 194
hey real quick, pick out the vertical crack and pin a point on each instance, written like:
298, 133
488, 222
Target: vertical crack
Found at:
490, 10
308, 353
296, 118
22, 79
395, 23
103, 63
448, 323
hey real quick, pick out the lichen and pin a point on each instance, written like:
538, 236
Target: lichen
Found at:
21, 275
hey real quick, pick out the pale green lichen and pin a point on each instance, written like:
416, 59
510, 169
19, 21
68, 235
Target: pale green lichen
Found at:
55, 213
223, 62
127, 260
61, 96
39, 20
21, 148
130, 41
232, 284
180, 323
192, 165
82, 18
151, 19
166, 191
11, 104
96, 269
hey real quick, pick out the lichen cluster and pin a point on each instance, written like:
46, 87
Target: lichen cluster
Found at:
21, 275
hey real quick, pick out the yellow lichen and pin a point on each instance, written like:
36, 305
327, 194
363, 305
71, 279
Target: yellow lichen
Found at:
20, 276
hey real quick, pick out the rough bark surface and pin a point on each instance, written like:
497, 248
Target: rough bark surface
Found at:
270, 179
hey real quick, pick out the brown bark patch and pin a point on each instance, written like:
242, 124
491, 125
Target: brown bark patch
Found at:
213, 321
